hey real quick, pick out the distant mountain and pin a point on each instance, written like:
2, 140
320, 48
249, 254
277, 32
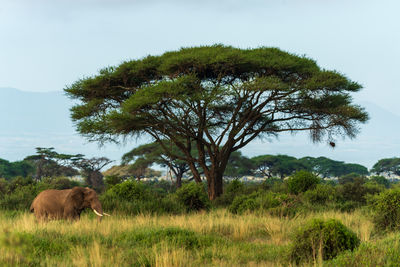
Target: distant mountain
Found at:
29, 120
30, 112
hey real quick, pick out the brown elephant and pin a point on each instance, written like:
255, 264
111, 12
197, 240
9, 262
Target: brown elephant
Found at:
66, 204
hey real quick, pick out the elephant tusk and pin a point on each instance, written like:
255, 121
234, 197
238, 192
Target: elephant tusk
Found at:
98, 214
106, 214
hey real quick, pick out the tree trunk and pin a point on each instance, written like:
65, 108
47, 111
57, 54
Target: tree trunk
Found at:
215, 183
179, 180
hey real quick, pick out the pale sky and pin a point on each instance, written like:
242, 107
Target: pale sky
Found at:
48, 44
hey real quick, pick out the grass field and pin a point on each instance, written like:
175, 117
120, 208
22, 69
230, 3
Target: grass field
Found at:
215, 238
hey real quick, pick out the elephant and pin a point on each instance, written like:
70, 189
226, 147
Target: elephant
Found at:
66, 204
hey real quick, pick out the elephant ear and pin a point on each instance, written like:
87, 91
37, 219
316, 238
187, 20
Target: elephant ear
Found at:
74, 202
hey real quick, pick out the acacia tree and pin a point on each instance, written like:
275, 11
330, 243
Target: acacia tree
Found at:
217, 97
388, 165
326, 167
148, 154
49, 163
90, 169
280, 165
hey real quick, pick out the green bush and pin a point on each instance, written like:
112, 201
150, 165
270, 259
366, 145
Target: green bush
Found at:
233, 189
321, 194
193, 197
112, 180
386, 210
302, 181
325, 238
3, 186
380, 180
19, 199
130, 191
157, 205
347, 206
358, 190
58, 183
270, 202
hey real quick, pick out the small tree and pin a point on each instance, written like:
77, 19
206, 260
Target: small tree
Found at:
217, 97
91, 170
49, 163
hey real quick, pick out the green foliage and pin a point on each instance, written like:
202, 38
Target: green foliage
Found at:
331, 168
112, 180
155, 205
238, 165
321, 194
318, 237
388, 165
352, 178
131, 191
3, 186
355, 188
232, 189
10, 170
273, 203
386, 210
279, 165
380, 180
302, 181
275, 185
383, 252
193, 197
58, 183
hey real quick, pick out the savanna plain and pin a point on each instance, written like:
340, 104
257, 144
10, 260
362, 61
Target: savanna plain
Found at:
215, 238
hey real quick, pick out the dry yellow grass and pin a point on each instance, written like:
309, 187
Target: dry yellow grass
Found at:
246, 229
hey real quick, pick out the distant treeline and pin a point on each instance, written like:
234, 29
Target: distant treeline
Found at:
48, 163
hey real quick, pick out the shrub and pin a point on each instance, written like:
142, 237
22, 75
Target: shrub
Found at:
325, 238
112, 180
321, 194
132, 197
380, 180
273, 203
19, 199
193, 196
59, 183
232, 190
130, 191
271, 184
347, 206
358, 190
386, 210
3, 186
351, 178
243, 203
302, 181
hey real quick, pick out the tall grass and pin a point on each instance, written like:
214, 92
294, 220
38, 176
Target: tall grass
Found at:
216, 238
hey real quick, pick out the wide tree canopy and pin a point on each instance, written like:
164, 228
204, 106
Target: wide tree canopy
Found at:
218, 97
326, 167
389, 166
